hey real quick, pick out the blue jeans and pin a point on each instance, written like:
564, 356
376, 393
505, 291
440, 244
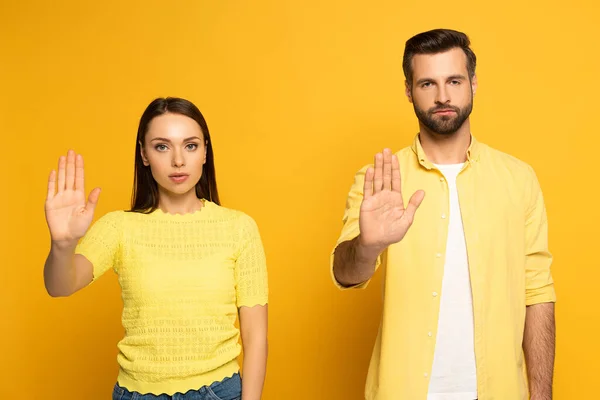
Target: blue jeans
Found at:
227, 389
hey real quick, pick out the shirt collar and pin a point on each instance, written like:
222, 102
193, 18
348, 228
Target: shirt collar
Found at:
473, 152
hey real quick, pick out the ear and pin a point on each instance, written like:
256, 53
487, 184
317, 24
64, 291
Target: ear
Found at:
144, 156
474, 84
408, 91
205, 148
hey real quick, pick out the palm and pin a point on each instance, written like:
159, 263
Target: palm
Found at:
67, 214
383, 218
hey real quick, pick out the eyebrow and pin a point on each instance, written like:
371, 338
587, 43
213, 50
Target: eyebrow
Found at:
450, 78
167, 140
453, 77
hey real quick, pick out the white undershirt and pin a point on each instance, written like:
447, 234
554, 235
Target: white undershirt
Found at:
453, 376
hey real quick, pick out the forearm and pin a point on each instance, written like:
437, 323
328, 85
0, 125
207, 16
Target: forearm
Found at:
539, 348
59, 273
354, 263
254, 368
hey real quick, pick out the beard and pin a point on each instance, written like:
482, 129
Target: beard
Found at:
444, 124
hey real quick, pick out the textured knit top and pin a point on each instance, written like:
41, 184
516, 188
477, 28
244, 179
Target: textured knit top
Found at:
183, 278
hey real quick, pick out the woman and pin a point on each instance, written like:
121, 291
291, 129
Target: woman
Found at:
186, 265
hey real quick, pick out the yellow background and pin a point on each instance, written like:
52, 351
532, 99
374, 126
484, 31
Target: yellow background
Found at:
298, 96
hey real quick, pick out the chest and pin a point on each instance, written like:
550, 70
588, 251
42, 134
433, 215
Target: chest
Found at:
182, 264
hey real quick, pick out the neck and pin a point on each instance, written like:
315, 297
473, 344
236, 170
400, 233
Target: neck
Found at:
446, 149
172, 203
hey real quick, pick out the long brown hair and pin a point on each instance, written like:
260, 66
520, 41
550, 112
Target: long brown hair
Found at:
144, 198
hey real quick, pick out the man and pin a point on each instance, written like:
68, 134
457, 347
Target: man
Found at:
469, 297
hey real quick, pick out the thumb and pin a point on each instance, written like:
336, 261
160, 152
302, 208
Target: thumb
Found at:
93, 200
414, 203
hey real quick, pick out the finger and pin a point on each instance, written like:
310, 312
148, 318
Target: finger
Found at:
79, 181
413, 204
70, 182
368, 185
396, 179
51, 185
378, 180
387, 169
396, 182
395, 174
92, 200
62, 162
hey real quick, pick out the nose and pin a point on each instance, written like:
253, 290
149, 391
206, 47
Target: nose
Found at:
442, 96
178, 160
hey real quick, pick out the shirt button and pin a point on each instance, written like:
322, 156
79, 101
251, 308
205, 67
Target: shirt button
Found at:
438, 255
434, 294
441, 179
443, 216
425, 374
429, 334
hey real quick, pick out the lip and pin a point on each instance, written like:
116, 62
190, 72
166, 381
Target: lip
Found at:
178, 178
445, 112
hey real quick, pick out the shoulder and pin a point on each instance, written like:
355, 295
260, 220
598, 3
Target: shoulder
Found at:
112, 217
513, 165
236, 217
405, 154
106, 228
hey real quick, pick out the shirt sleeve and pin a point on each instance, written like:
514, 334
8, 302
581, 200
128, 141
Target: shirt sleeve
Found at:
101, 245
350, 228
251, 278
539, 285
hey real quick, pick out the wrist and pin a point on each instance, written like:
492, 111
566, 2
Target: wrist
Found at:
63, 246
366, 252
